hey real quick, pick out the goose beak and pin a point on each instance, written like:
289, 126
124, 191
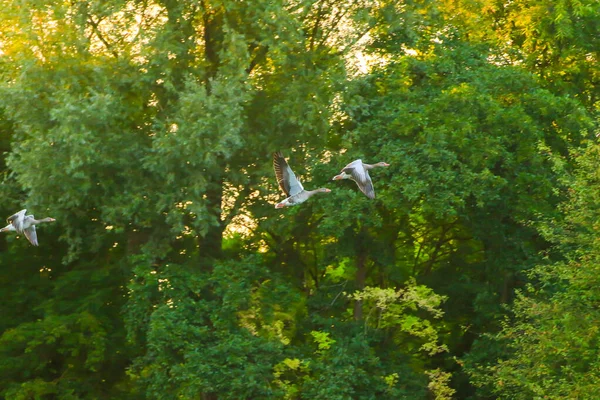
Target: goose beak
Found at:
386, 164
279, 205
327, 190
337, 177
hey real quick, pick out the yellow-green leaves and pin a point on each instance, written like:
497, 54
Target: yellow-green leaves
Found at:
397, 310
322, 339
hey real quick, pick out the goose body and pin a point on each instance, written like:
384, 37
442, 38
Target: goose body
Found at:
359, 173
25, 224
290, 185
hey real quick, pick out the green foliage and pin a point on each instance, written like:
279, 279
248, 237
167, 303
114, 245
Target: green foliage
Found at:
439, 385
556, 39
194, 340
342, 369
146, 128
394, 310
552, 339
322, 340
76, 341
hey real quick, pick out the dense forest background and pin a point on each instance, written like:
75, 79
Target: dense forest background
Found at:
146, 127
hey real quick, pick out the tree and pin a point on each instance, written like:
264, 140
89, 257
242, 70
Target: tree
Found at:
557, 40
472, 147
146, 135
146, 128
551, 339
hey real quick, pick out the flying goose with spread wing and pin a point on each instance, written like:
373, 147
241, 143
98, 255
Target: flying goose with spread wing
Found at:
359, 173
290, 185
25, 224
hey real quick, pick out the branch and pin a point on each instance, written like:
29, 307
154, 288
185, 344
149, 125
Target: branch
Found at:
416, 264
293, 8
437, 253
345, 49
261, 53
316, 26
338, 295
335, 22
101, 37
236, 206
439, 243
142, 20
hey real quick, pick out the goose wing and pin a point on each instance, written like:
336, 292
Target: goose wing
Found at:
31, 235
286, 178
17, 220
361, 176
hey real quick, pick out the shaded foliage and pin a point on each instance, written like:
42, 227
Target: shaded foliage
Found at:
552, 337
146, 128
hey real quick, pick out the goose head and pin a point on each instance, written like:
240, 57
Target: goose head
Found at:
282, 204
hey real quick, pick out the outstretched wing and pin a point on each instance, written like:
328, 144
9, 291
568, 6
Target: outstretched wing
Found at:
17, 220
31, 235
285, 176
353, 164
361, 176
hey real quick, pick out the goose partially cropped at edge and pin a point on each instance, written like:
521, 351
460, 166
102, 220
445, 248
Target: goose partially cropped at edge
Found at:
25, 224
290, 185
358, 171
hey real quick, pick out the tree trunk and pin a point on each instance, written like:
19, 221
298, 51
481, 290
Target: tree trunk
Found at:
361, 275
136, 239
211, 244
507, 286
361, 269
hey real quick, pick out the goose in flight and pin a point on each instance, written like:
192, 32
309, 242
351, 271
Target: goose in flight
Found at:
359, 173
290, 185
25, 224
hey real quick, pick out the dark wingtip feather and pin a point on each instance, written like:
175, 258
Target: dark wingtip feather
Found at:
279, 164
278, 159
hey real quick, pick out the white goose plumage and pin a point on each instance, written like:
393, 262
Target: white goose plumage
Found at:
290, 185
359, 173
25, 225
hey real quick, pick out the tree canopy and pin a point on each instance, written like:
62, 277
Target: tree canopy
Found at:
146, 129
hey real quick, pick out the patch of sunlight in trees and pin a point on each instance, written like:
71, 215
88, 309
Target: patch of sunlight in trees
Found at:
130, 27
183, 205
242, 223
361, 62
163, 284
170, 303
502, 59
187, 231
